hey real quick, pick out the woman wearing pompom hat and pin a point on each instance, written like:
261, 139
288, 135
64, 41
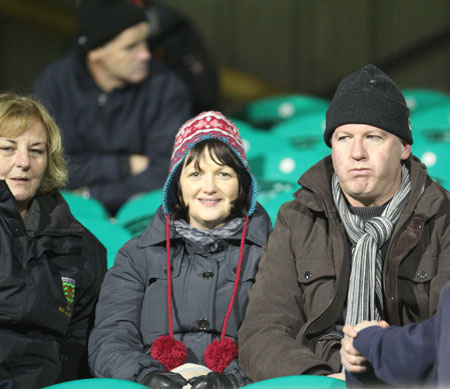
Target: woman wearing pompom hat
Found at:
177, 294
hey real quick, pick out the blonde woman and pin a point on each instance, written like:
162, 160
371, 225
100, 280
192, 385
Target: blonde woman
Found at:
51, 266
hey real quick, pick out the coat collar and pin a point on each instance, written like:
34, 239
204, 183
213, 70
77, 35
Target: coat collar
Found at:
316, 194
258, 229
55, 216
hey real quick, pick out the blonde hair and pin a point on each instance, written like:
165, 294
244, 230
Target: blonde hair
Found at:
17, 113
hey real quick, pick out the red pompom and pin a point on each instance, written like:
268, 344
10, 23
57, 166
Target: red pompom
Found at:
219, 354
169, 352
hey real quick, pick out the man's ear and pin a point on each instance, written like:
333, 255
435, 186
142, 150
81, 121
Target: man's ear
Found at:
95, 54
406, 150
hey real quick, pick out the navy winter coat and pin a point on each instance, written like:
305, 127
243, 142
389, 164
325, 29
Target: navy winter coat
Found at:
101, 130
418, 353
132, 309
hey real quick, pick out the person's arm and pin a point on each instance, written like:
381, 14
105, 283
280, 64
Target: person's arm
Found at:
55, 90
74, 345
116, 349
268, 344
234, 370
175, 109
399, 355
442, 240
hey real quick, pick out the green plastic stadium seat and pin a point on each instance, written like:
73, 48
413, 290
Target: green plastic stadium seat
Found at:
112, 235
303, 131
82, 206
418, 99
268, 111
286, 163
273, 194
256, 141
97, 383
433, 124
436, 157
300, 381
137, 212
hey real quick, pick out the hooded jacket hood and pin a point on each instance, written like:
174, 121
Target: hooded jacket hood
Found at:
207, 125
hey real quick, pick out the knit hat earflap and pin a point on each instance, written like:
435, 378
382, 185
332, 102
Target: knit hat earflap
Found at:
99, 21
207, 125
369, 96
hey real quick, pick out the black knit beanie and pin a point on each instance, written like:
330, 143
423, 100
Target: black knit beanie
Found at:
369, 96
99, 21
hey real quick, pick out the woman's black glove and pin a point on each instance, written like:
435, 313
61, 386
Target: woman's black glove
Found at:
214, 381
161, 379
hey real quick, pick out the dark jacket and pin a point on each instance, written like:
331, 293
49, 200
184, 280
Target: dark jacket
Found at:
301, 286
42, 323
132, 309
417, 353
175, 42
100, 131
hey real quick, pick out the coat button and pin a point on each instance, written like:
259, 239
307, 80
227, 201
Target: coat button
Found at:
373, 83
203, 324
308, 275
234, 270
207, 275
165, 270
422, 275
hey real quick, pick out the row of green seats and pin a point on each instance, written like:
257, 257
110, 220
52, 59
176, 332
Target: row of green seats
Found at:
93, 215
269, 111
291, 382
419, 99
431, 132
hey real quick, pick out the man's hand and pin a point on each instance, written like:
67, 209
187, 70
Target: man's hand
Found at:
138, 163
366, 323
351, 359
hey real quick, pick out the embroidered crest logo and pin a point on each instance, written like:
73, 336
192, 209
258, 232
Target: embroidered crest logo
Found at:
69, 292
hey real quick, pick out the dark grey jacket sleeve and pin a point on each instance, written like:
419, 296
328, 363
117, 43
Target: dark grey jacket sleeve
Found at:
116, 349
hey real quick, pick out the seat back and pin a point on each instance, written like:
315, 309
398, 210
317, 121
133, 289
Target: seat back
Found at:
97, 383
84, 206
432, 123
299, 381
303, 132
268, 111
112, 235
273, 194
137, 212
419, 99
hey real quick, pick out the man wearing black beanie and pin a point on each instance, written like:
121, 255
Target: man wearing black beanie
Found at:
118, 109
367, 237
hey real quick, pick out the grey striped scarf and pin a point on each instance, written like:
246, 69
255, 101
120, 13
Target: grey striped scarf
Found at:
367, 238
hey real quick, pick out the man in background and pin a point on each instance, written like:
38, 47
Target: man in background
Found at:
118, 109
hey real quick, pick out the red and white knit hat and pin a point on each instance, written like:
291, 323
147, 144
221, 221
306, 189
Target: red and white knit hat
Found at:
207, 125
